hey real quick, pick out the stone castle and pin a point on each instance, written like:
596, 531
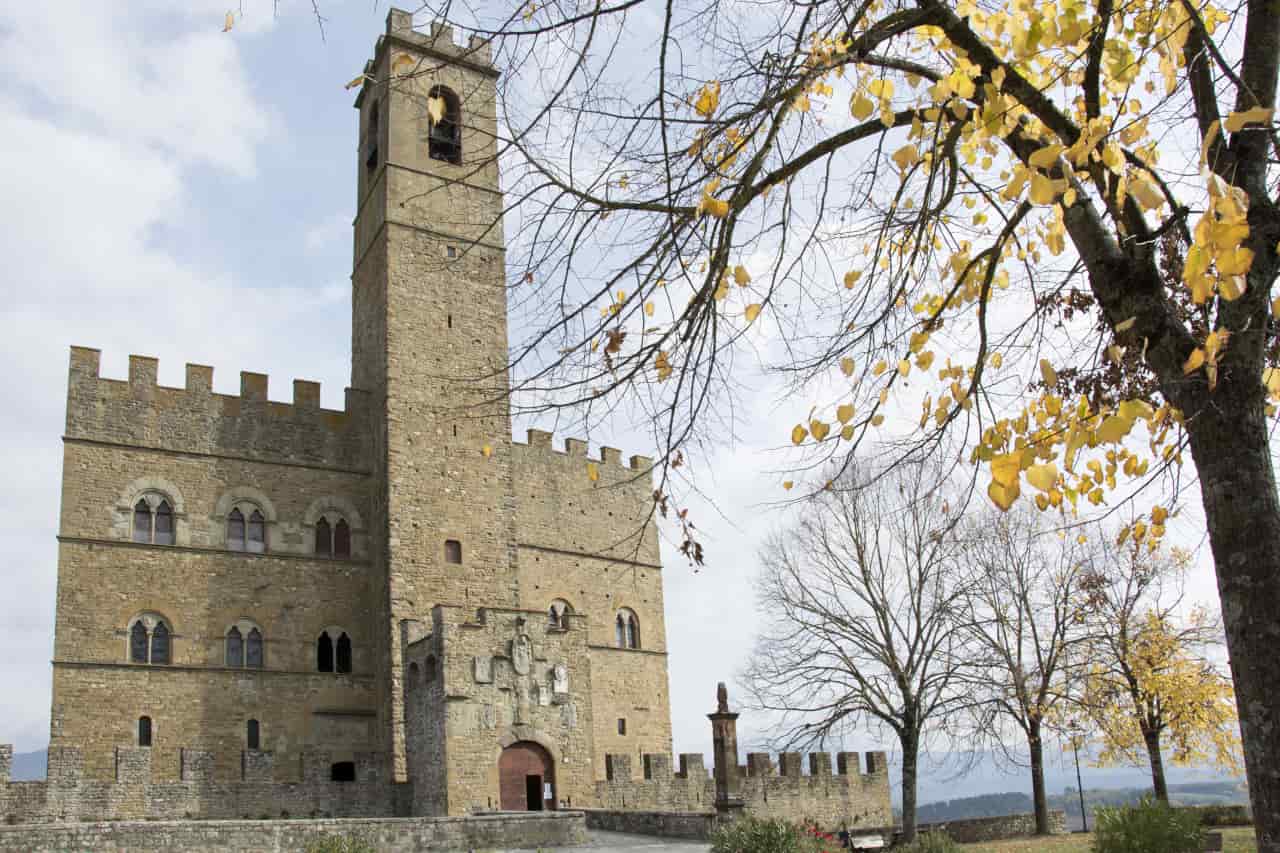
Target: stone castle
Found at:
392, 609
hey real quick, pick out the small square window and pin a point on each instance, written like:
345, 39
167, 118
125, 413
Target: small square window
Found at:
451, 252
452, 551
622, 726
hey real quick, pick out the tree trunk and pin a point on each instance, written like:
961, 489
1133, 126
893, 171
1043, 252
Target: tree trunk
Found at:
1152, 739
1036, 747
910, 755
1237, 482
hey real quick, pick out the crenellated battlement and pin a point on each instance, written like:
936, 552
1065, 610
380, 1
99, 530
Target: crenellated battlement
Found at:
760, 765
577, 449
141, 412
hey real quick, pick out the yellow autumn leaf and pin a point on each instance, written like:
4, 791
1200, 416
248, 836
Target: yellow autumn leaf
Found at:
1235, 262
787, 484
861, 107
844, 413
1044, 190
1043, 476
925, 360
798, 434
877, 420
906, 157
1193, 362
1003, 495
904, 367
708, 99
847, 366
881, 367
1046, 157
1113, 429
714, 206
1145, 193
740, 276
663, 366
818, 429
354, 82
228, 22
1006, 468
1125, 325
648, 309
1236, 121
1047, 373
851, 278
752, 311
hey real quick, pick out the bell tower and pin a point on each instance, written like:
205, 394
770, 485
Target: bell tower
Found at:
429, 337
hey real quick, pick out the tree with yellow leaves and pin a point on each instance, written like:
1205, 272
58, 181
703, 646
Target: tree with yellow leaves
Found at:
1149, 686
1049, 227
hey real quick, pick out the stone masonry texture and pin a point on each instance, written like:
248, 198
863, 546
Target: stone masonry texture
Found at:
386, 680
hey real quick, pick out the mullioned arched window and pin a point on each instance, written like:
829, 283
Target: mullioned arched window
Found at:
444, 134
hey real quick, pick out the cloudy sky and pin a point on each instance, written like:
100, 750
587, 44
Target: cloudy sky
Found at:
174, 191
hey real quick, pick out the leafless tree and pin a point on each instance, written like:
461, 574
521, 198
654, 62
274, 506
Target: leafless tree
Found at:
1025, 619
862, 603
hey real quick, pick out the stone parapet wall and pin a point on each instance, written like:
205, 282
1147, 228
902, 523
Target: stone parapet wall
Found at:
698, 825
976, 830
193, 419
68, 796
534, 830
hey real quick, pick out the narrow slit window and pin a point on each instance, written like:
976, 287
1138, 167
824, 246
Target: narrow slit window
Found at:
324, 653
253, 649
235, 648
620, 632
344, 653
141, 522
251, 735
164, 524
144, 731
371, 141
452, 551
622, 726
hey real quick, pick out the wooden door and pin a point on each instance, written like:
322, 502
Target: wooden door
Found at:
523, 769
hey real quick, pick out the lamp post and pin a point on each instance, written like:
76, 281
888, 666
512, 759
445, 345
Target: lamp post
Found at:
1075, 728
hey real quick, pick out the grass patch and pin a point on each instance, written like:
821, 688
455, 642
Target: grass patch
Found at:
1236, 839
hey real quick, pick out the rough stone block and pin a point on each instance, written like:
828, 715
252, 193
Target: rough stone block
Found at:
257, 765
306, 395
253, 386
199, 379
877, 762
86, 361
197, 765
657, 766
790, 764
6, 762
65, 764
759, 764
617, 768
575, 447
611, 456
133, 765
692, 766
847, 763
819, 764
538, 438
143, 370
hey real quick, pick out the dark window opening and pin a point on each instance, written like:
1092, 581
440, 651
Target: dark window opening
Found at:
144, 731
138, 642
451, 252
431, 667
164, 524
141, 522
160, 644
452, 551
235, 530
371, 140
253, 649
343, 771
324, 653
324, 542
620, 632
251, 734
235, 648
444, 136
344, 653
633, 632
257, 538
448, 319
622, 725
342, 539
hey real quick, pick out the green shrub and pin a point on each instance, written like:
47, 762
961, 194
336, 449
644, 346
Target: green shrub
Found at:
930, 842
758, 835
340, 844
1149, 827
1220, 815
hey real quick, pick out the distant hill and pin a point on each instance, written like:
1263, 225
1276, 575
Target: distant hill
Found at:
1229, 792
29, 766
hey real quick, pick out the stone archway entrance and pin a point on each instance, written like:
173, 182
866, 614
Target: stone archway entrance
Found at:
526, 778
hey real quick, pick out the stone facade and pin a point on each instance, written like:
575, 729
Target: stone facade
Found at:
194, 601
